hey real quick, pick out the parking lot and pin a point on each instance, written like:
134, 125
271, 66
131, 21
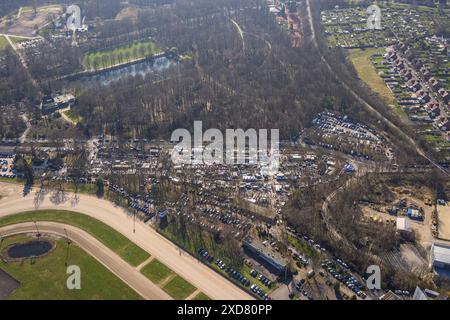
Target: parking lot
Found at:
254, 281
6, 168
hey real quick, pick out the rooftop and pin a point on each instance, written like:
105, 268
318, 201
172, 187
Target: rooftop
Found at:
441, 253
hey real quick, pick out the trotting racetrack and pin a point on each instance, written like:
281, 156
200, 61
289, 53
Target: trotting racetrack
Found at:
198, 274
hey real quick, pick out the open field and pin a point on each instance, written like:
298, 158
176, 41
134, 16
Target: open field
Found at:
46, 277
128, 13
444, 222
108, 236
122, 54
4, 43
360, 59
43, 9
201, 296
72, 116
169, 281
156, 271
28, 22
178, 288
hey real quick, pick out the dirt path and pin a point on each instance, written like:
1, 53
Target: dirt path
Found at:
241, 33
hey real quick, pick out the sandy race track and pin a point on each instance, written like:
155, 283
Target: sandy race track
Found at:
131, 276
208, 281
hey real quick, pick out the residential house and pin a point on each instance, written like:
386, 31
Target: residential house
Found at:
406, 74
433, 109
445, 95
413, 85
435, 85
443, 123
424, 96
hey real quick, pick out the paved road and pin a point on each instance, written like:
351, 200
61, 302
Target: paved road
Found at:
128, 274
24, 135
211, 283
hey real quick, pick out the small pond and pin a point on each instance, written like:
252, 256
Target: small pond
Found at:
142, 68
34, 248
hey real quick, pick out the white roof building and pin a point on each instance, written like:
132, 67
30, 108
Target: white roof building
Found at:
403, 224
440, 255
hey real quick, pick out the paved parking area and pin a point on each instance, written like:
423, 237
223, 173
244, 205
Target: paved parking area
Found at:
7, 285
6, 167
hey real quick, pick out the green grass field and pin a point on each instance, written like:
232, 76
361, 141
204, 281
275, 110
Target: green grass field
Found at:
16, 40
201, 296
108, 58
173, 284
72, 116
12, 180
178, 288
114, 240
367, 72
4, 43
46, 277
156, 271
43, 9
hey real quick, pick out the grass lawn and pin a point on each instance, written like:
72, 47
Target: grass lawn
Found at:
17, 40
43, 9
3, 43
72, 116
156, 271
438, 140
107, 58
12, 180
178, 288
201, 296
366, 71
46, 277
303, 248
114, 240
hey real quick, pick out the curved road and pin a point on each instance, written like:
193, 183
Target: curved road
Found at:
128, 274
201, 276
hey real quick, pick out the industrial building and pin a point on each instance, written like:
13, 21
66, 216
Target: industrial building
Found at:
51, 104
440, 256
270, 258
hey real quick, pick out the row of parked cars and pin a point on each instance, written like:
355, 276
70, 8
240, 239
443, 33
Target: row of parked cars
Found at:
5, 170
136, 202
236, 275
205, 255
306, 239
347, 279
261, 278
260, 292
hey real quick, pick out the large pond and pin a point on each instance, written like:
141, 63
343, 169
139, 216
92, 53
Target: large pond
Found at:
142, 68
34, 248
